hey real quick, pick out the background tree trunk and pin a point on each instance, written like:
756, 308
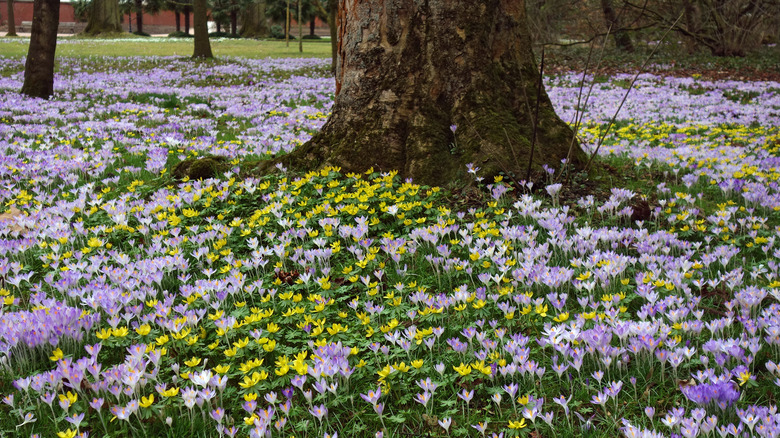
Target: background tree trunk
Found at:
253, 23
407, 71
187, 12
178, 20
312, 26
11, 19
622, 39
139, 16
39, 67
333, 9
103, 18
202, 43
234, 23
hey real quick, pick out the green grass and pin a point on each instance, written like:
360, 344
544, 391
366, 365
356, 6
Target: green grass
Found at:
162, 46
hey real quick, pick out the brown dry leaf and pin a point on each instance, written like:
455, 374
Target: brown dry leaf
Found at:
10, 217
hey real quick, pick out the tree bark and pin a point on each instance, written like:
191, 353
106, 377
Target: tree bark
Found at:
622, 39
300, 26
312, 26
253, 23
139, 16
202, 43
11, 19
103, 18
187, 12
287, 26
233, 22
333, 10
39, 67
178, 20
426, 87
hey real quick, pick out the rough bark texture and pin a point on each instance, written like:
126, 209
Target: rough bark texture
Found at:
103, 18
139, 16
39, 67
408, 70
253, 22
202, 43
11, 19
622, 39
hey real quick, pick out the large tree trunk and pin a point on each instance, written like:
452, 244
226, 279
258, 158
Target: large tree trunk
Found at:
202, 43
408, 70
139, 16
253, 23
622, 39
233, 22
39, 67
11, 19
333, 10
103, 18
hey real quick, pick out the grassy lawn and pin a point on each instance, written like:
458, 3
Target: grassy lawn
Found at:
161, 46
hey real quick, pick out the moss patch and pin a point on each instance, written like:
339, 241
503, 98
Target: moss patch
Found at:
200, 168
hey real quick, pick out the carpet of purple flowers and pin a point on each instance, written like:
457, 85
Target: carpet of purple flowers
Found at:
324, 304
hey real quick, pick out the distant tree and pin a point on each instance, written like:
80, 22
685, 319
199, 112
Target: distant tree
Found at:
139, 7
277, 9
39, 66
253, 21
202, 44
187, 12
103, 18
725, 27
612, 18
11, 19
333, 9
220, 13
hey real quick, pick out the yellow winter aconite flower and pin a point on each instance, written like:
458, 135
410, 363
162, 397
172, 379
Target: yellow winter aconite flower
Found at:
417, 363
56, 355
254, 379
171, 392
462, 369
192, 362
71, 397
67, 434
103, 334
384, 372
120, 332
146, 401
744, 377
269, 346
282, 364
517, 424
143, 329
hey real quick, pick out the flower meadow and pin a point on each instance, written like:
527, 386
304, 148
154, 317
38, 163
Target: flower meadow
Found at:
326, 304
